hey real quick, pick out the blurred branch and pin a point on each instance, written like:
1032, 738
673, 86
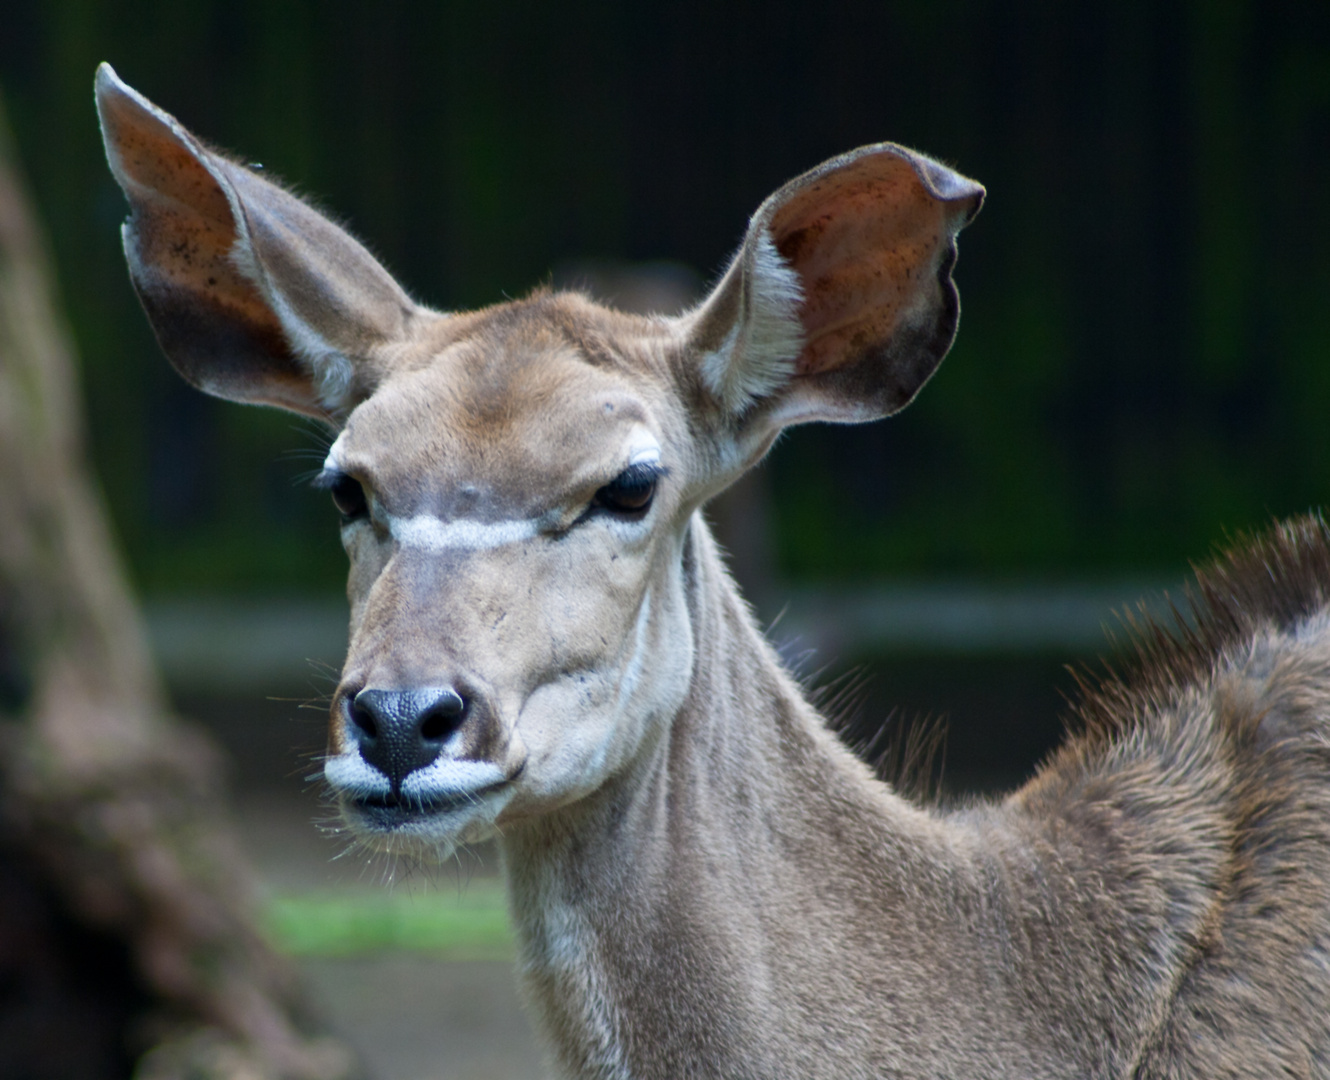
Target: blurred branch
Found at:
119, 804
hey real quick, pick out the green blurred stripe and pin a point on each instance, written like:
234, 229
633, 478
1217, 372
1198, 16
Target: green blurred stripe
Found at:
471, 925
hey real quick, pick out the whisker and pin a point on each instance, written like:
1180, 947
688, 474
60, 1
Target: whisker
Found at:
320, 432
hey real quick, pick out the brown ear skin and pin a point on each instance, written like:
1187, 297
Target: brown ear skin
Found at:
871, 237
254, 296
218, 350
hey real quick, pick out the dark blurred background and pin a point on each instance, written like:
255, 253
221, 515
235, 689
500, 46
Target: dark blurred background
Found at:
1144, 357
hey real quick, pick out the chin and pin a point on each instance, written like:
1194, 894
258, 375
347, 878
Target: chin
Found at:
428, 831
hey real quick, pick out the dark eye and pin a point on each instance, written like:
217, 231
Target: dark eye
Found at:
349, 497
631, 491
347, 494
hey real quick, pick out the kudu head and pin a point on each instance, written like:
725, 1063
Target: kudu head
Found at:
517, 484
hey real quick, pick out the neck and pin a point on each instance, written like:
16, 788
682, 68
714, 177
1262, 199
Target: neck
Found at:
748, 901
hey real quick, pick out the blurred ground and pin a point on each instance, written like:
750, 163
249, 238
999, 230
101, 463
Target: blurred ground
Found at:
414, 1018
411, 1015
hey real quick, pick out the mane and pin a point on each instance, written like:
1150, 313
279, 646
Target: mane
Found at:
1274, 579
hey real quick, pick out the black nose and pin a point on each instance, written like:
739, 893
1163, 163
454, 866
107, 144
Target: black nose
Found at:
400, 731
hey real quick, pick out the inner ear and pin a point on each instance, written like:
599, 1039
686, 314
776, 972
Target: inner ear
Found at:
851, 265
254, 295
873, 242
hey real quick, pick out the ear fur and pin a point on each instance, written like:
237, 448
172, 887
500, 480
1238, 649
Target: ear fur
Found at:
254, 296
756, 305
840, 303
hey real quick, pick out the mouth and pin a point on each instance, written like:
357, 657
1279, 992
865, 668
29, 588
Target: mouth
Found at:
446, 802
394, 811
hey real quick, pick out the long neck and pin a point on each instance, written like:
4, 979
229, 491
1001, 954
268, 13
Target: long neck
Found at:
748, 901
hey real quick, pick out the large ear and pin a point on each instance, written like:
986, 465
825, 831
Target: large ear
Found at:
840, 303
253, 295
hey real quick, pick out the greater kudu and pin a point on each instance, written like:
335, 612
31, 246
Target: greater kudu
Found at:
546, 648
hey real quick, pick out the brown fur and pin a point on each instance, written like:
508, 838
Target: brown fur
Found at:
1205, 770
704, 881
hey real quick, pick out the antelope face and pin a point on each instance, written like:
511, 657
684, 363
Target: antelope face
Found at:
517, 485
513, 509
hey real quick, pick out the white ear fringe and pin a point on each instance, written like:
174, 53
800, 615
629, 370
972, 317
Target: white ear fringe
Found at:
758, 354
330, 369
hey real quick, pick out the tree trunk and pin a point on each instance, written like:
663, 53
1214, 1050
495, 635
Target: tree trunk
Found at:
127, 931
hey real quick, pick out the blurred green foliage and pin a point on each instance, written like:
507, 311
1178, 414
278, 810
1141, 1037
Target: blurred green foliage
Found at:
470, 925
1145, 354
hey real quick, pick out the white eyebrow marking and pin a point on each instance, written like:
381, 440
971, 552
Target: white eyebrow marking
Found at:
645, 455
330, 462
430, 533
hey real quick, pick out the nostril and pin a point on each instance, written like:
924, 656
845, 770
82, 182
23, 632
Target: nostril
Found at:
363, 719
442, 717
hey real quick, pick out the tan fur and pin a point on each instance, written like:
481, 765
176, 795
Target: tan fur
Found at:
704, 881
